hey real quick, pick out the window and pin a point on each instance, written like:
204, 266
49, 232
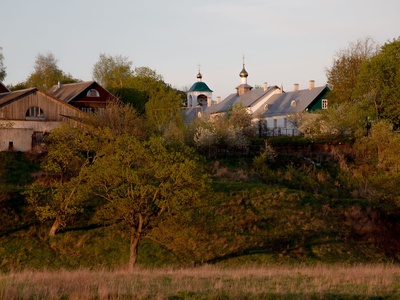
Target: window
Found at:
266, 106
275, 123
324, 104
37, 137
294, 103
34, 112
93, 93
87, 110
285, 123
202, 100
100, 111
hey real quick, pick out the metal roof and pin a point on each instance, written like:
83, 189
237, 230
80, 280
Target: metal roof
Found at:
247, 99
12, 96
68, 92
200, 87
289, 103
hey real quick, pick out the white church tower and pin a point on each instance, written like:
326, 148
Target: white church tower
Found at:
199, 94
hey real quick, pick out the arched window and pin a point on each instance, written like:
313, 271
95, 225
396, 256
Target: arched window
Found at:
93, 93
202, 100
266, 106
294, 103
34, 113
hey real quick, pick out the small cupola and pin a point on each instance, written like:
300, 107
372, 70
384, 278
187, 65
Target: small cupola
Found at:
244, 73
243, 87
199, 76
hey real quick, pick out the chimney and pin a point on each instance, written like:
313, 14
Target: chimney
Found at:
311, 84
218, 99
296, 87
265, 86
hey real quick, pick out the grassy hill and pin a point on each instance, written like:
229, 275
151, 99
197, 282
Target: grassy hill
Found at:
294, 209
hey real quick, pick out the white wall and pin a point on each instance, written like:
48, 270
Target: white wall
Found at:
20, 133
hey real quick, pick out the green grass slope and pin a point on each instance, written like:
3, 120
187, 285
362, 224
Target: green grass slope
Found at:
285, 214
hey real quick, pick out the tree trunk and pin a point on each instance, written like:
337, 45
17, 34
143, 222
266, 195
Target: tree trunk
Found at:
136, 234
55, 227
133, 251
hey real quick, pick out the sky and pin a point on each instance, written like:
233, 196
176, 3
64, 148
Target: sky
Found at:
283, 41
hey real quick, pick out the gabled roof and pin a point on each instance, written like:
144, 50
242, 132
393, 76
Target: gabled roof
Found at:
68, 92
200, 87
6, 98
289, 103
19, 95
3, 88
247, 99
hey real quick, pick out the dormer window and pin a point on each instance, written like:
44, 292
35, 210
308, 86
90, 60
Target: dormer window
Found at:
294, 103
93, 93
34, 113
266, 107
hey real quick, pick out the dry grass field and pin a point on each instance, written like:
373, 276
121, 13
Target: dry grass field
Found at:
208, 282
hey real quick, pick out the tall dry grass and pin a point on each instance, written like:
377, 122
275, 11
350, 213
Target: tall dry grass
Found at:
208, 282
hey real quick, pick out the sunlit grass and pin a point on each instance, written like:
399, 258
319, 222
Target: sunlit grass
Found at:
208, 282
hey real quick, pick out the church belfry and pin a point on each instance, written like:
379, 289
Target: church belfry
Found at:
199, 94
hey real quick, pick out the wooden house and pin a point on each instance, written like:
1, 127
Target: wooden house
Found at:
26, 115
87, 96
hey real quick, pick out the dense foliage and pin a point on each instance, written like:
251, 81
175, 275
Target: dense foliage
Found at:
365, 87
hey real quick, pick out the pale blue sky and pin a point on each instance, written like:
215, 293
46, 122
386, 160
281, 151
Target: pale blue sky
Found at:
284, 41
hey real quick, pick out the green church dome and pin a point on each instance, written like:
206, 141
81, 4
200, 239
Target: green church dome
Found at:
200, 87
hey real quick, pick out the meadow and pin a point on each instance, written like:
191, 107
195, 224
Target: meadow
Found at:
319, 281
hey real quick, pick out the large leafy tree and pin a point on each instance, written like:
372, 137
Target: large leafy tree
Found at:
344, 73
3, 72
137, 86
112, 71
70, 151
59, 197
364, 87
46, 73
144, 182
115, 74
379, 82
